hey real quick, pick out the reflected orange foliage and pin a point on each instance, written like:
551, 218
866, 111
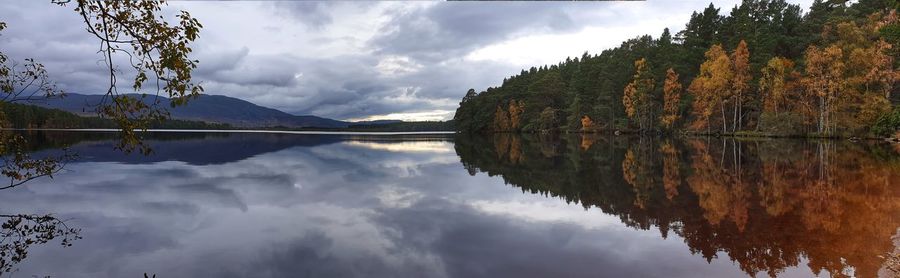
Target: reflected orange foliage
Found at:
586, 142
766, 204
671, 171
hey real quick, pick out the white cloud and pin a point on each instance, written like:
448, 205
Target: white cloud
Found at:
435, 115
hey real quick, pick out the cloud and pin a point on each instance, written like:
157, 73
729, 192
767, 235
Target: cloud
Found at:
355, 60
314, 14
392, 66
437, 32
355, 209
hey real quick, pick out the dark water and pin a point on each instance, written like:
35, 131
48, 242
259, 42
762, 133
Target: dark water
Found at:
258, 205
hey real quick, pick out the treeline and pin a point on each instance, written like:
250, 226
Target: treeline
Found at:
765, 67
21, 116
405, 126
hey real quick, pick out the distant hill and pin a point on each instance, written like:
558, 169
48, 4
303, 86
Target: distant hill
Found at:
24, 116
208, 108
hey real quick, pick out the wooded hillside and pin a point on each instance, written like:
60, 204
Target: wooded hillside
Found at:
765, 67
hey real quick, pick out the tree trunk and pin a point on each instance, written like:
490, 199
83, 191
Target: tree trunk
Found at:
724, 119
821, 124
734, 120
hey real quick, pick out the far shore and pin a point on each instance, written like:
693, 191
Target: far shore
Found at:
311, 132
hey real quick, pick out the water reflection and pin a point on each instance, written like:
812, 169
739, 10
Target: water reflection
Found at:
766, 204
19, 232
257, 205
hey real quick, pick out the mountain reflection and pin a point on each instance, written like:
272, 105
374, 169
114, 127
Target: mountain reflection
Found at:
268, 205
199, 148
767, 204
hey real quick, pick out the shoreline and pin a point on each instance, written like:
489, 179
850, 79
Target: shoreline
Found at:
703, 134
297, 132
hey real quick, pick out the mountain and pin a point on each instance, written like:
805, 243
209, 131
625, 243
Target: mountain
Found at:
207, 108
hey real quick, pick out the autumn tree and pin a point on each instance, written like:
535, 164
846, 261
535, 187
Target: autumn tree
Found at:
158, 53
740, 82
712, 87
824, 73
587, 124
671, 99
870, 76
501, 119
852, 76
638, 95
516, 108
784, 107
723, 85
773, 84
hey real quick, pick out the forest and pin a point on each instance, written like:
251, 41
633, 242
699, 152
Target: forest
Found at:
405, 126
766, 68
22, 116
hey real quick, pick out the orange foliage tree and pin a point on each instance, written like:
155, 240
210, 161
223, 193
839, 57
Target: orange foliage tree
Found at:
671, 98
824, 72
501, 119
516, 108
586, 123
712, 87
852, 77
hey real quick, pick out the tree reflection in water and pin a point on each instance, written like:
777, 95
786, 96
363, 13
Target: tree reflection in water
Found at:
767, 204
18, 232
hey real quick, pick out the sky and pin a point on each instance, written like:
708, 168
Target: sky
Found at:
356, 60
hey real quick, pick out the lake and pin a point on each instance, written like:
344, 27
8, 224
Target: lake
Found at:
348, 205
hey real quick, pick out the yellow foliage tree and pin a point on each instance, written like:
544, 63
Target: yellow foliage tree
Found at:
773, 84
852, 77
740, 82
637, 97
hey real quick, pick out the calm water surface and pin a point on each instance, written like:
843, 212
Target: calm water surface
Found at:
283, 205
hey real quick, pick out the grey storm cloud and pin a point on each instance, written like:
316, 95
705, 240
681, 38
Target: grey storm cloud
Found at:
314, 14
455, 28
344, 86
